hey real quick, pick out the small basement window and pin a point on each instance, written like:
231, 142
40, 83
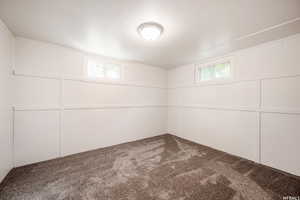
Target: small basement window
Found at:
108, 71
214, 71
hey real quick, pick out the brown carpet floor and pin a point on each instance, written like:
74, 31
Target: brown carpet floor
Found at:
158, 168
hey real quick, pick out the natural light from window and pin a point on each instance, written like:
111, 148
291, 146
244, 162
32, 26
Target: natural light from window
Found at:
215, 71
107, 71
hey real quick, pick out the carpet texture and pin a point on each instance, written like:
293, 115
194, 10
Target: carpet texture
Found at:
158, 168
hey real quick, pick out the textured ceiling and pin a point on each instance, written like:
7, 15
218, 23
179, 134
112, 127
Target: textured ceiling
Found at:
194, 29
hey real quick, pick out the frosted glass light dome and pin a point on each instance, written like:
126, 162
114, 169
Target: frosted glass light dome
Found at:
150, 30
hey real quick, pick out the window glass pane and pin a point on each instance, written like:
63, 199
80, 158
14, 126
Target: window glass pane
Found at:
95, 70
112, 71
106, 71
222, 70
207, 73
214, 71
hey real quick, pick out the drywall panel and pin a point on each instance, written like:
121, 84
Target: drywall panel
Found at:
6, 47
242, 94
180, 76
272, 59
261, 61
30, 92
91, 129
174, 120
71, 62
280, 138
36, 57
78, 93
143, 74
235, 132
291, 48
36, 136
281, 93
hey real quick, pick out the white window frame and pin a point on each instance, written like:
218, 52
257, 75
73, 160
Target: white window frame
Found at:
105, 79
214, 62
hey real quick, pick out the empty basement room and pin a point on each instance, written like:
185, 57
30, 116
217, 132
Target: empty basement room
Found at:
150, 100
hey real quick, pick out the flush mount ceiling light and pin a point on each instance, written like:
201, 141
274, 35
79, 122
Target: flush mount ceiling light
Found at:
150, 30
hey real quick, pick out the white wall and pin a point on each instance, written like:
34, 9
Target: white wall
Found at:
256, 115
59, 111
6, 44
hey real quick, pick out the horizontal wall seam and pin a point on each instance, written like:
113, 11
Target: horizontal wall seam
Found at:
233, 82
25, 108
246, 109
112, 107
83, 79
